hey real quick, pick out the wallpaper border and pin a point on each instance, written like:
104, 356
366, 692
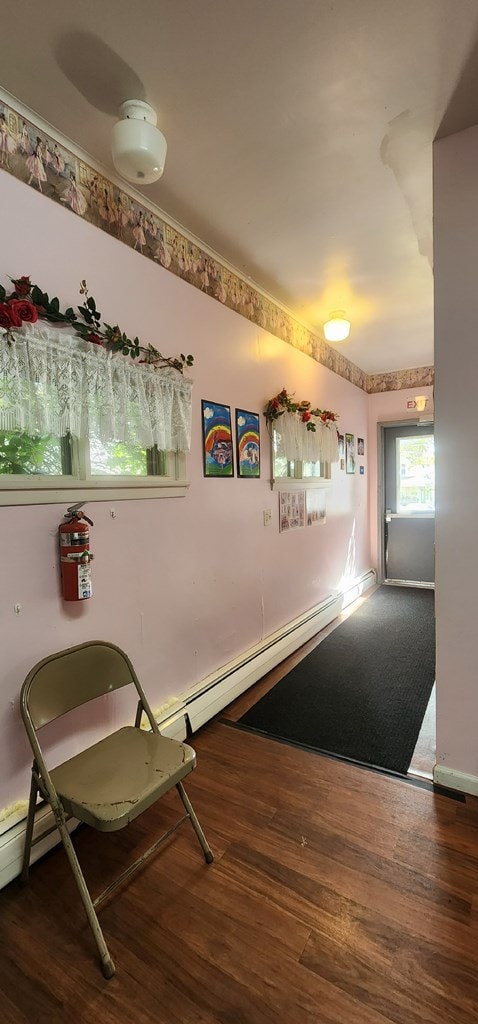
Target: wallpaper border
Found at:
33, 156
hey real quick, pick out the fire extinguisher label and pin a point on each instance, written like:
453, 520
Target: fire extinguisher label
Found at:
72, 540
85, 587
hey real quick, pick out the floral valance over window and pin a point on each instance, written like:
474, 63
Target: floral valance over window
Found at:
302, 433
54, 382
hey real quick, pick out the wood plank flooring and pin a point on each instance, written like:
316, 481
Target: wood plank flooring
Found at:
337, 896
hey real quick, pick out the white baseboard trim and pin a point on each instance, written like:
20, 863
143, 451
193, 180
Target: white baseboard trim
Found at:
453, 779
193, 709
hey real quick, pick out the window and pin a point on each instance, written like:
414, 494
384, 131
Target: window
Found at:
67, 401
308, 473
416, 474
35, 467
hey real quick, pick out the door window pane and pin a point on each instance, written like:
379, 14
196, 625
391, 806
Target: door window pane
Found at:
416, 474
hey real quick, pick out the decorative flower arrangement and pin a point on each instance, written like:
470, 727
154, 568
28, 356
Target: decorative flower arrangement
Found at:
27, 303
283, 402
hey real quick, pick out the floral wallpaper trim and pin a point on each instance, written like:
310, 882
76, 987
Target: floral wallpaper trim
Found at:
399, 380
33, 156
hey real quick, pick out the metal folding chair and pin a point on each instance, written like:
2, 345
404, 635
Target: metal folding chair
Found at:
110, 783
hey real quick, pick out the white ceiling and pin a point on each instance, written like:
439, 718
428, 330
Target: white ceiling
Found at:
299, 135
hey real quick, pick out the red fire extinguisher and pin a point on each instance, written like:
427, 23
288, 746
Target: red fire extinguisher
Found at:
75, 555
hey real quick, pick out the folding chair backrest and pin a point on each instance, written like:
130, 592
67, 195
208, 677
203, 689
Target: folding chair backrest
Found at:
73, 677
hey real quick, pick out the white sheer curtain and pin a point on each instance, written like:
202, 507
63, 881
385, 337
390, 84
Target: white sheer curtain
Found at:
53, 382
295, 442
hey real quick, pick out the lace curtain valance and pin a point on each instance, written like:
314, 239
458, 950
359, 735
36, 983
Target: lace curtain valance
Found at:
52, 382
295, 442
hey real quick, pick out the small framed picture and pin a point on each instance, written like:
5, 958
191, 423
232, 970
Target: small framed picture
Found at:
248, 444
315, 507
350, 453
360, 446
217, 439
341, 441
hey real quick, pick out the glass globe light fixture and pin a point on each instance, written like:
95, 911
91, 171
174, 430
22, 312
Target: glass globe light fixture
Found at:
337, 328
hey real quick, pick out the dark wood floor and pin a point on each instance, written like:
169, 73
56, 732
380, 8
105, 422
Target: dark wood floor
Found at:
338, 896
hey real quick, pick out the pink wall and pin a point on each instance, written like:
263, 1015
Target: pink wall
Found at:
456, 315
200, 579
387, 407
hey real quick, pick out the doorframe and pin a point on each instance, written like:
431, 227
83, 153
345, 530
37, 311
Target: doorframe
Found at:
411, 422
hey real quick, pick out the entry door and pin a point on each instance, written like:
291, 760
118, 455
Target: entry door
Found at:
409, 529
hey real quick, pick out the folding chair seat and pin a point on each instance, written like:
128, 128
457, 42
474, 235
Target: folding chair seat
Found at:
110, 783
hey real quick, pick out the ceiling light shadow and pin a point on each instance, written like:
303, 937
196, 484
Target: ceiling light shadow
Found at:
103, 78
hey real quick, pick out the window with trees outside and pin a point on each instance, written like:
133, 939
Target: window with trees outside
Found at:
416, 474
31, 464
76, 418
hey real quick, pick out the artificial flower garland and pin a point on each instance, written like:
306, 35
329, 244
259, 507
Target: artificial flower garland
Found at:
283, 402
27, 303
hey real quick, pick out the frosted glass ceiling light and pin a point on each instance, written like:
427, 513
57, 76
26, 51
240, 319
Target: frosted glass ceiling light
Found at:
138, 147
337, 328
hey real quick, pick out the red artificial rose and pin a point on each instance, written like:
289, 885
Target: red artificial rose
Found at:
25, 310
22, 286
275, 403
8, 317
305, 417
95, 339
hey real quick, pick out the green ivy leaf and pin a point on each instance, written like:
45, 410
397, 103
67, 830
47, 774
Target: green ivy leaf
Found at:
2, 293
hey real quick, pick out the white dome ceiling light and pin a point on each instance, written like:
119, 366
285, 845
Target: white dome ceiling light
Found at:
337, 327
138, 146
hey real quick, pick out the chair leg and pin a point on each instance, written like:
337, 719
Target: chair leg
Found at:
208, 854
107, 964
30, 823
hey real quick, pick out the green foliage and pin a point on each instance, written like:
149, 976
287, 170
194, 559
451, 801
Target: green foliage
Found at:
22, 454
117, 459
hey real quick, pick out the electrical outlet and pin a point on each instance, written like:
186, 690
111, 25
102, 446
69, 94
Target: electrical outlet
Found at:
267, 514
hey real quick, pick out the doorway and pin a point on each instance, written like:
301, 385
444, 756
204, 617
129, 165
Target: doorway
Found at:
407, 514
407, 534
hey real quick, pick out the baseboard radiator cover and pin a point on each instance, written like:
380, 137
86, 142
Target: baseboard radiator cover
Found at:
193, 709
213, 694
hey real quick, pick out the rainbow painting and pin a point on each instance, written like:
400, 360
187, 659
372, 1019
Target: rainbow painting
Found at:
248, 444
217, 439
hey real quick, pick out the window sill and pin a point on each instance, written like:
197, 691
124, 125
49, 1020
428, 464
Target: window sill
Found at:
285, 483
38, 491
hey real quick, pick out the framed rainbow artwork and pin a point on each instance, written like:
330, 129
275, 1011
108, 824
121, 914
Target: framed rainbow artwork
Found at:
217, 439
248, 444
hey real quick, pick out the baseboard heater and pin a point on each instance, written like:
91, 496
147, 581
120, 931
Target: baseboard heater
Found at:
195, 707
222, 687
